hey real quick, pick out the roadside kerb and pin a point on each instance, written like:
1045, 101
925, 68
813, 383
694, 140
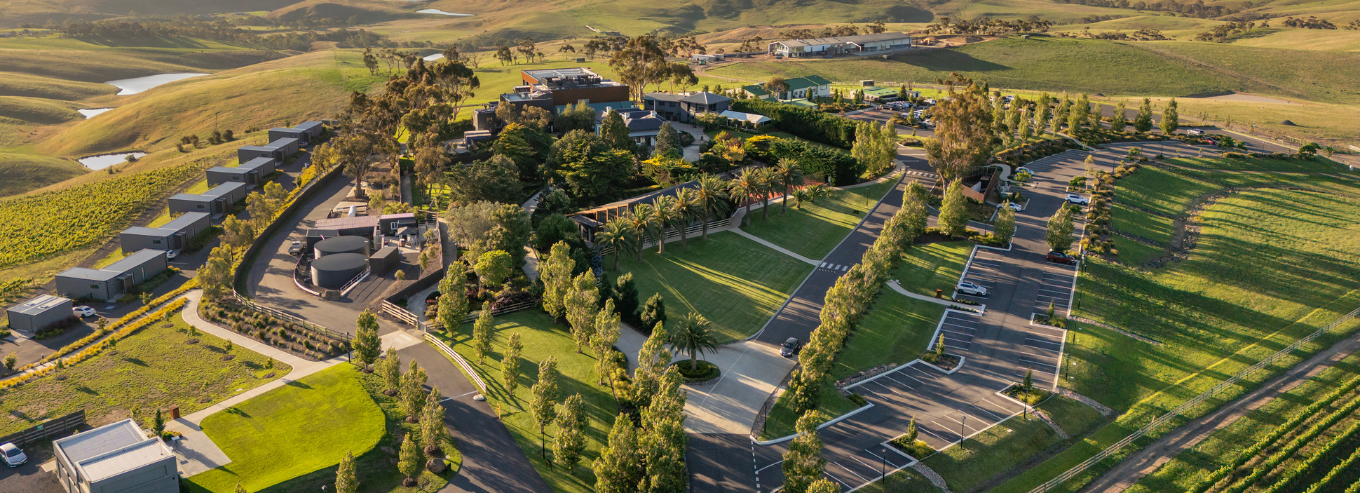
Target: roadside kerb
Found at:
823, 425
471, 373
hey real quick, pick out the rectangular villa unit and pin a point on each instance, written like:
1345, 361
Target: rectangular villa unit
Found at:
115, 458
174, 235
112, 281
277, 149
212, 202
251, 173
38, 313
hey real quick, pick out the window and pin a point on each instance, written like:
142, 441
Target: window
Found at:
155, 242
94, 286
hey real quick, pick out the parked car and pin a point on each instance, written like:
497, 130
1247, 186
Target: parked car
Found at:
171, 254
1015, 207
970, 288
1021, 169
83, 311
1073, 198
1061, 258
790, 347
1194, 132
14, 457
295, 249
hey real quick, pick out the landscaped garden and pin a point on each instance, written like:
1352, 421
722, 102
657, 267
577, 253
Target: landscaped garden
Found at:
542, 338
292, 438
733, 281
1267, 268
815, 229
154, 368
894, 332
932, 266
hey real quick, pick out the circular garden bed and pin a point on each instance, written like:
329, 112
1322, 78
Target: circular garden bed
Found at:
703, 371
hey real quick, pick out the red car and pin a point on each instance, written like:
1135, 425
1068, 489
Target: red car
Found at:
1061, 258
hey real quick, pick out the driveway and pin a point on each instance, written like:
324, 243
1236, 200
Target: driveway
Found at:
492, 461
30, 477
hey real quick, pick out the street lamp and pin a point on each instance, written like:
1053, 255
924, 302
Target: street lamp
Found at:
883, 471
962, 429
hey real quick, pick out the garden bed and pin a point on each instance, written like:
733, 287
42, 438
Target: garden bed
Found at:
703, 372
1054, 321
918, 449
1031, 397
283, 334
946, 361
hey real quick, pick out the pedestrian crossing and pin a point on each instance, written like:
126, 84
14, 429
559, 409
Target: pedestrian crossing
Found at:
834, 267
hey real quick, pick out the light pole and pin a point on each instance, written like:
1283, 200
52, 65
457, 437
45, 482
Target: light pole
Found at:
962, 430
883, 469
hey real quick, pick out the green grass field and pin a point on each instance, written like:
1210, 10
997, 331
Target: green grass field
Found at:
735, 282
152, 369
37, 110
1229, 442
26, 172
541, 338
814, 230
925, 268
1009, 444
895, 331
1266, 271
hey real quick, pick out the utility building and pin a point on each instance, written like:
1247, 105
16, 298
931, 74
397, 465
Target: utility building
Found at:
115, 458
251, 173
38, 313
114, 280
863, 44
212, 202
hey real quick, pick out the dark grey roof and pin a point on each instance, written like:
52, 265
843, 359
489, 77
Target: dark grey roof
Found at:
256, 163
40, 304
183, 220
306, 126
222, 189
257, 148
294, 131
226, 169
143, 231
281, 142
705, 98
135, 260
644, 124
662, 96
88, 274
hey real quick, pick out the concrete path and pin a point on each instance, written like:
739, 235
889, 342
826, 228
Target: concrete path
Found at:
777, 248
197, 452
896, 285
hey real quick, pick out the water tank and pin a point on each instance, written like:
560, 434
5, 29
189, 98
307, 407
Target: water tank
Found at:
343, 244
334, 271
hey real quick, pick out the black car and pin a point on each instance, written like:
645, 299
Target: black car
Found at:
790, 347
1061, 258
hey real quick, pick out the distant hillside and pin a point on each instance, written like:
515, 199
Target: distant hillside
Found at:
25, 172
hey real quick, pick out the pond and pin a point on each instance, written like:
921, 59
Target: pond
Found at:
436, 56
441, 12
105, 160
139, 84
91, 112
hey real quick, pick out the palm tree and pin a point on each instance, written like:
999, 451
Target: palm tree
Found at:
685, 209
744, 187
618, 234
665, 216
769, 183
644, 222
692, 335
711, 199
799, 196
789, 172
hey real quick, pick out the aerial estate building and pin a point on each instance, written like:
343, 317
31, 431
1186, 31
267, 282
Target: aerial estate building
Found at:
212, 202
841, 45
38, 313
251, 173
114, 280
683, 107
553, 89
799, 88
115, 458
174, 235
277, 149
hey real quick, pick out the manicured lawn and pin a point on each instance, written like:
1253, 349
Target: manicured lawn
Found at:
735, 282
541, 338
1227, 443
895, 331
814, 230
1133, 253
1006, 445
1321, 165
150, 369
327, 414
1139, 223
1160, 190
925, 268
1267, 270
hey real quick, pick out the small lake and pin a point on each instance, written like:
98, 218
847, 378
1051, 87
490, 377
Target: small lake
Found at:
91, 112
436, 56
139, 84
441, 12
105, 160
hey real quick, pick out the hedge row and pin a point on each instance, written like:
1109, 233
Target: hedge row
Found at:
833, 164
1298, 419
807, 123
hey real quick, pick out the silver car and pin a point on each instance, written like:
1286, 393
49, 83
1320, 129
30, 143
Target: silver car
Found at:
971, 289
12, 455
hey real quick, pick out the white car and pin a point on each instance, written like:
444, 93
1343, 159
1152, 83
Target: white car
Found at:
83, 311
1073, 198
13, 456
1194, 132
171, 254
1022, 169
969, 288
1015, 207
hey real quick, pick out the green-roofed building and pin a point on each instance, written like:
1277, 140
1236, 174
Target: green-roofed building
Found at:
808, 87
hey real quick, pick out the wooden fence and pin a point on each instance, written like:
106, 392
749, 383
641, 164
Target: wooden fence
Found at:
47, 429
339, 336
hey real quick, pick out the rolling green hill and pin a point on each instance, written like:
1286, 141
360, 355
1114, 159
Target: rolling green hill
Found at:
24, 172
37, 110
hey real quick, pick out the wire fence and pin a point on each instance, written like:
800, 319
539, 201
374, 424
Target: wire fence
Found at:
1197, 400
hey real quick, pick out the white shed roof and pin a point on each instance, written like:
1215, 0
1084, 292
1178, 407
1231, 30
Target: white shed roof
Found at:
747, 117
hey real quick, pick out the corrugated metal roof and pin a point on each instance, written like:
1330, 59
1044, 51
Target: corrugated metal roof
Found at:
144, 231
126, 459
256, 163
307, 126
286, 141
184, 220
110, 450
347, 222
88, 274
222, 189
83, 446
40, 304
133, 261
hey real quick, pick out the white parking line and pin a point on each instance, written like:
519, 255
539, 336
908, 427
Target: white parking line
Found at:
850, 471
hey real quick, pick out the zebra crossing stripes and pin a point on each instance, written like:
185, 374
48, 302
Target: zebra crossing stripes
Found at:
831, 266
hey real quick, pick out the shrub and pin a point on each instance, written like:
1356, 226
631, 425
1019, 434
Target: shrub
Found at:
807, 123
